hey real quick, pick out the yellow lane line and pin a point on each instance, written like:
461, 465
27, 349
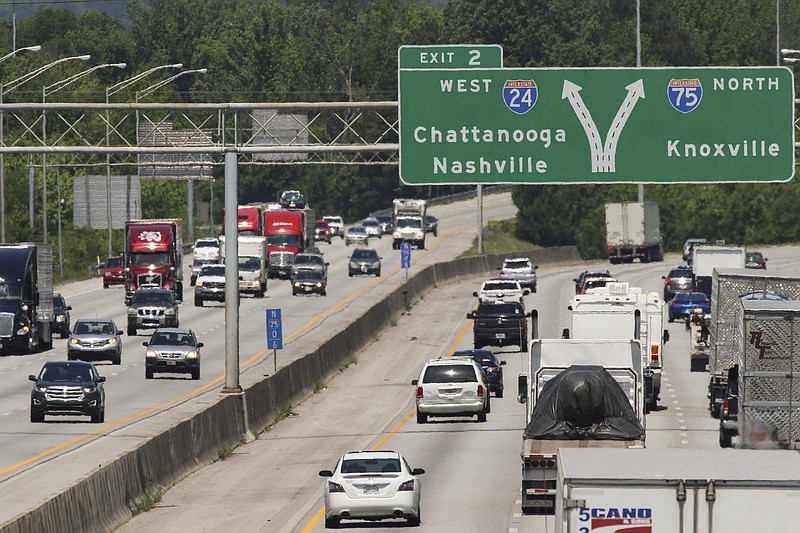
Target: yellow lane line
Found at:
321, 512
208, 385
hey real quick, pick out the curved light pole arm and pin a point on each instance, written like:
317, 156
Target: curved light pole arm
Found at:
57, 86
18, 50
127, 83
13, 84
156, 86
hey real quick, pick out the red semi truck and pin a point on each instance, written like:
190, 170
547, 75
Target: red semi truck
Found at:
288, 232
154, 256
249, 220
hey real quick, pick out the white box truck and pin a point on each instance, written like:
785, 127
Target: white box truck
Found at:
707, 257
620, 311
577, 393
728, 288
633, 231
253, 268
677, 491
408, 217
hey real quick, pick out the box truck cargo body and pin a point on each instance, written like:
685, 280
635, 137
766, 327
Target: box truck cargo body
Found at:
677, 491
633, 232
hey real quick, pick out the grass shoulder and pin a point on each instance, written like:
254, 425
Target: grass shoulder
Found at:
499, 239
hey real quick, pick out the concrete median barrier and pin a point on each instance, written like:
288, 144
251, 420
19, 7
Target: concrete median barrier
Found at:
112, 493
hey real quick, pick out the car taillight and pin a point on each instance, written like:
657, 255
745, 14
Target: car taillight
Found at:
654, 353
666, 282
480, 390
725, 408
334, 487
522, 322
406, 486
419, 392
493, 368
610, 248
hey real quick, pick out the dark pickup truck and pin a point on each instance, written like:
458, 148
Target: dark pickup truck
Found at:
499, 323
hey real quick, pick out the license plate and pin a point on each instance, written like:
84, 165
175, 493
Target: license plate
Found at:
499, 335
307, 289
171, 363
364, 268
371, 489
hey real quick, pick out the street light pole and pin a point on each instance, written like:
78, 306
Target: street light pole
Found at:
190, 185
109, 91
46, 91
640, 187
35, 48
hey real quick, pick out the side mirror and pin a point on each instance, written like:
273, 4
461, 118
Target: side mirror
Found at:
414, 381
529, 314
569, 307
32, 377
417, 471
119, 332
663, 277
327, 264
536, 267
502, 363
666, 336
565, 333
499, 268
575, 280
522, 388
200, 344
101, 379
326, 473
69, 308
145, 343
526, 292
471, 314
475, 294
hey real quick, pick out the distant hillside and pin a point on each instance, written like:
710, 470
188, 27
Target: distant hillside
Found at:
25, 8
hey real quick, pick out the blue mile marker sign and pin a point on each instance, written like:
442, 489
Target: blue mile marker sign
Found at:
405, 255
274, 330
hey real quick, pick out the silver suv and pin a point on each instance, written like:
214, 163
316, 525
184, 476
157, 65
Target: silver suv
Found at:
95, 339
172, 350
452, 386
310, 261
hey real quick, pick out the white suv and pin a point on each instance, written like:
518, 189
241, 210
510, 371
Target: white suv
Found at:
452, 386
506, 290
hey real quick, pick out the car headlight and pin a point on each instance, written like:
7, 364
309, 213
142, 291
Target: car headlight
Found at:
74, 341
89, 390
151, 353
199, 284
170, 311
131, 311
111, 341
41, 388
60, 318
353, 264
191, 355
376, 264
23, 330
319, 284
297, 284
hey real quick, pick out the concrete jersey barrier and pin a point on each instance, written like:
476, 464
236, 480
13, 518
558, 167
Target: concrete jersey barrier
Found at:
113, 493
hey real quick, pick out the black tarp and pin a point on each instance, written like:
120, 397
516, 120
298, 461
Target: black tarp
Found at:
583, 403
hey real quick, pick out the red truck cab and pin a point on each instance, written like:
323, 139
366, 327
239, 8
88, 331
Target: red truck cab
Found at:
249, 220
153, 256
113, 271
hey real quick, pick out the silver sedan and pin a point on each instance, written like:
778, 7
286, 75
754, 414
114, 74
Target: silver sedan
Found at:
95, 339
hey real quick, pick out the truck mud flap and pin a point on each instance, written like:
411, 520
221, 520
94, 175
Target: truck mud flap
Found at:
537, 500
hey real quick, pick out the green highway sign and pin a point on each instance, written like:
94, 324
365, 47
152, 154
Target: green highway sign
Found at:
450, 56
594, 125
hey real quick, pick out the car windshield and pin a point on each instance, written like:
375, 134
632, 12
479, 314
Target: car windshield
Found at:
680, 273
249, 263
371, 223
308, 275
334, 220
283, 240
364, 254
215, 270
175, 338
58, 302
497, 286
307, 260
113, 262
66, 373
206, 244
500, 309
158, 258
517, 263
754, 256
93, 327
449, 374
322, 225
147, 297
357, 231
409, 223
200, 262
10, 290
697, 297
370, 466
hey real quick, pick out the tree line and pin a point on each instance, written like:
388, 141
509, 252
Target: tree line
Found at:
346, 50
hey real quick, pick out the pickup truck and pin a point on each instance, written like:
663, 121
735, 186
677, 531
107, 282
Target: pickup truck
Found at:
152, 308
500, 324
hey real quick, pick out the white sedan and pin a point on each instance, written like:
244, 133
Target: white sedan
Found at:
372, 485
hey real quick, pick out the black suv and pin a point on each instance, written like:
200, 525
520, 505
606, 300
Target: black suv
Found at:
491, 365
60, 315
500, 323
68, 388
152, 308
364, 261
432, 225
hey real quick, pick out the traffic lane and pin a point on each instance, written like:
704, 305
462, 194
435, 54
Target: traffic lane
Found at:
175, 406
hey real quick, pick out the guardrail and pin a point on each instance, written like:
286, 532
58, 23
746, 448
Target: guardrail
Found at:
108, 496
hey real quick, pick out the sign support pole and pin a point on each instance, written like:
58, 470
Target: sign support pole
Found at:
231, 276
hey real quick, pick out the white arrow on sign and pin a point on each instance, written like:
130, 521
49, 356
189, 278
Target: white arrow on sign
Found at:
603, 158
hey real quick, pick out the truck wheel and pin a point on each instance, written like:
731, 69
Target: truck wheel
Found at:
148, 373
725, 438
198, 302
414, 521
37, 417
499, 394
422, 418
105, 285
117, 359
331, 523
482, 416
196, 373
131, 330
179, 290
